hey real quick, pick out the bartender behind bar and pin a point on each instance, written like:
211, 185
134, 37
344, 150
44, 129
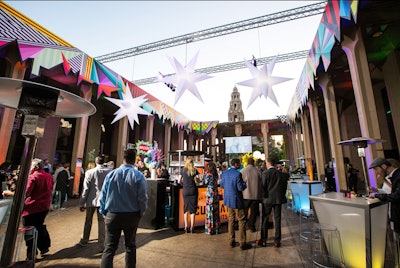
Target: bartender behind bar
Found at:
384, 168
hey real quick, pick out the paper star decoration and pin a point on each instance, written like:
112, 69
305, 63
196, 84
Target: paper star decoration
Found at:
184, 78
263, 81
129, 107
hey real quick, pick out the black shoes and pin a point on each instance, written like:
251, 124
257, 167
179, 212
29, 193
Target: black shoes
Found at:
262, 243
245, 246
189, 230
277, 244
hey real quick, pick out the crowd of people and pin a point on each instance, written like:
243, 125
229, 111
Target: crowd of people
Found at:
119, 198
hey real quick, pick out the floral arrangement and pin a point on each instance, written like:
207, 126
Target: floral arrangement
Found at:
245, 157
154, 156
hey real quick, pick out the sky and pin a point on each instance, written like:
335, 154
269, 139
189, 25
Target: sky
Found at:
102, 27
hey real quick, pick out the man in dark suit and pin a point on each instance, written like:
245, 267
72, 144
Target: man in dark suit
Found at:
274, 189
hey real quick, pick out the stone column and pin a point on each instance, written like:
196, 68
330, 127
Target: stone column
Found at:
238, 130
214, 133
149, 128
167, 140
391, 73
364, 96
294, 145
198, 144
79, 142
46, 146
289, 146
181, 139
123, 124
307, 143
7, 120
299, 139
317, 138
334, 132
190, 141
264, 131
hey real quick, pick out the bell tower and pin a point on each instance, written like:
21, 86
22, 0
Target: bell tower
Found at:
235, 113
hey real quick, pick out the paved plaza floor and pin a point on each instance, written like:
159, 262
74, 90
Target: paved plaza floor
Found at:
166, 247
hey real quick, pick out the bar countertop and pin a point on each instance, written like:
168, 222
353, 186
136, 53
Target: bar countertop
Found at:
339, 198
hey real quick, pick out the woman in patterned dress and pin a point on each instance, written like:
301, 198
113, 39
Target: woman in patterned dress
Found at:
212, 221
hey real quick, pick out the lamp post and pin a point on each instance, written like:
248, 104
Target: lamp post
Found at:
37, 102
361, 143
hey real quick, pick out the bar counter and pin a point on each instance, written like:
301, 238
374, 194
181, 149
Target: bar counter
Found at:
362, 225
177, 207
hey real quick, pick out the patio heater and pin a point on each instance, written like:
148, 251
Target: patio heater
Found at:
37, 102
361, 143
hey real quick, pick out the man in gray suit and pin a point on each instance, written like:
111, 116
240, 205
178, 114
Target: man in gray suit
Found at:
274, 189
89, 200
252, 195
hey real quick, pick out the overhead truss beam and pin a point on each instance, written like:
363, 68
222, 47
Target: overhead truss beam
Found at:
233, 66
278, 17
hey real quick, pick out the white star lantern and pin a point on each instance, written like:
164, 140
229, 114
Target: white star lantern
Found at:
184, 78
129, 107
263, 81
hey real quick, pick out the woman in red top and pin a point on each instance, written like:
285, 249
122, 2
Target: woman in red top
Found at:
37, 204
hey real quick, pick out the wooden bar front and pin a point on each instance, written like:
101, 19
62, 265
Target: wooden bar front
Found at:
177, 207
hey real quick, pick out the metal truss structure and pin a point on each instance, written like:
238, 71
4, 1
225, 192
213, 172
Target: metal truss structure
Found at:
233, 66
274, 18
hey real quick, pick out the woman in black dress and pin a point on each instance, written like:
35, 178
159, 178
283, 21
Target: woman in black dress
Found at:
189, 177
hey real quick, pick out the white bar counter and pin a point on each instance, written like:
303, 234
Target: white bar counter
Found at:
362, 225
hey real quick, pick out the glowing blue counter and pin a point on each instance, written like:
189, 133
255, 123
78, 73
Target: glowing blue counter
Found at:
362, 225
303, 189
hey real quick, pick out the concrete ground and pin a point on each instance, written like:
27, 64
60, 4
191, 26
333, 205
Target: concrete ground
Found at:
168, 248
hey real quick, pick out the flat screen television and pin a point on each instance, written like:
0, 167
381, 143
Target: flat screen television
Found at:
238, 145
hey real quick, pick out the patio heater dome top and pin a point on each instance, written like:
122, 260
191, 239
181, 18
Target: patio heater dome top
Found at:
68, 105
361, 142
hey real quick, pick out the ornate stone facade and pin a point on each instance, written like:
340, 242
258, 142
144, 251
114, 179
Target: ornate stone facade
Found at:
235, 113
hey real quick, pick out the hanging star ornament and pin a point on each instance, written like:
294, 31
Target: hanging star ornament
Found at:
263, 81
129, 106
185, 78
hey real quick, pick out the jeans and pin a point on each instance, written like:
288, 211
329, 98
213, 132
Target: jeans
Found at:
88, 226
115, 223
241, 216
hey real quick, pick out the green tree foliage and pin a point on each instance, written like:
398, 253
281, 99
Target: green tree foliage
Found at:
275, 153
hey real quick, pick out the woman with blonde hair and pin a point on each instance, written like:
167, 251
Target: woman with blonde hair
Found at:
188, 178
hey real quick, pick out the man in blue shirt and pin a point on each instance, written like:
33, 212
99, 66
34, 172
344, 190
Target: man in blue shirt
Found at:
123, 201
233, 185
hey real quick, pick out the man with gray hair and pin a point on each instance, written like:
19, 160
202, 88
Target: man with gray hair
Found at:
89, 200
36, 206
